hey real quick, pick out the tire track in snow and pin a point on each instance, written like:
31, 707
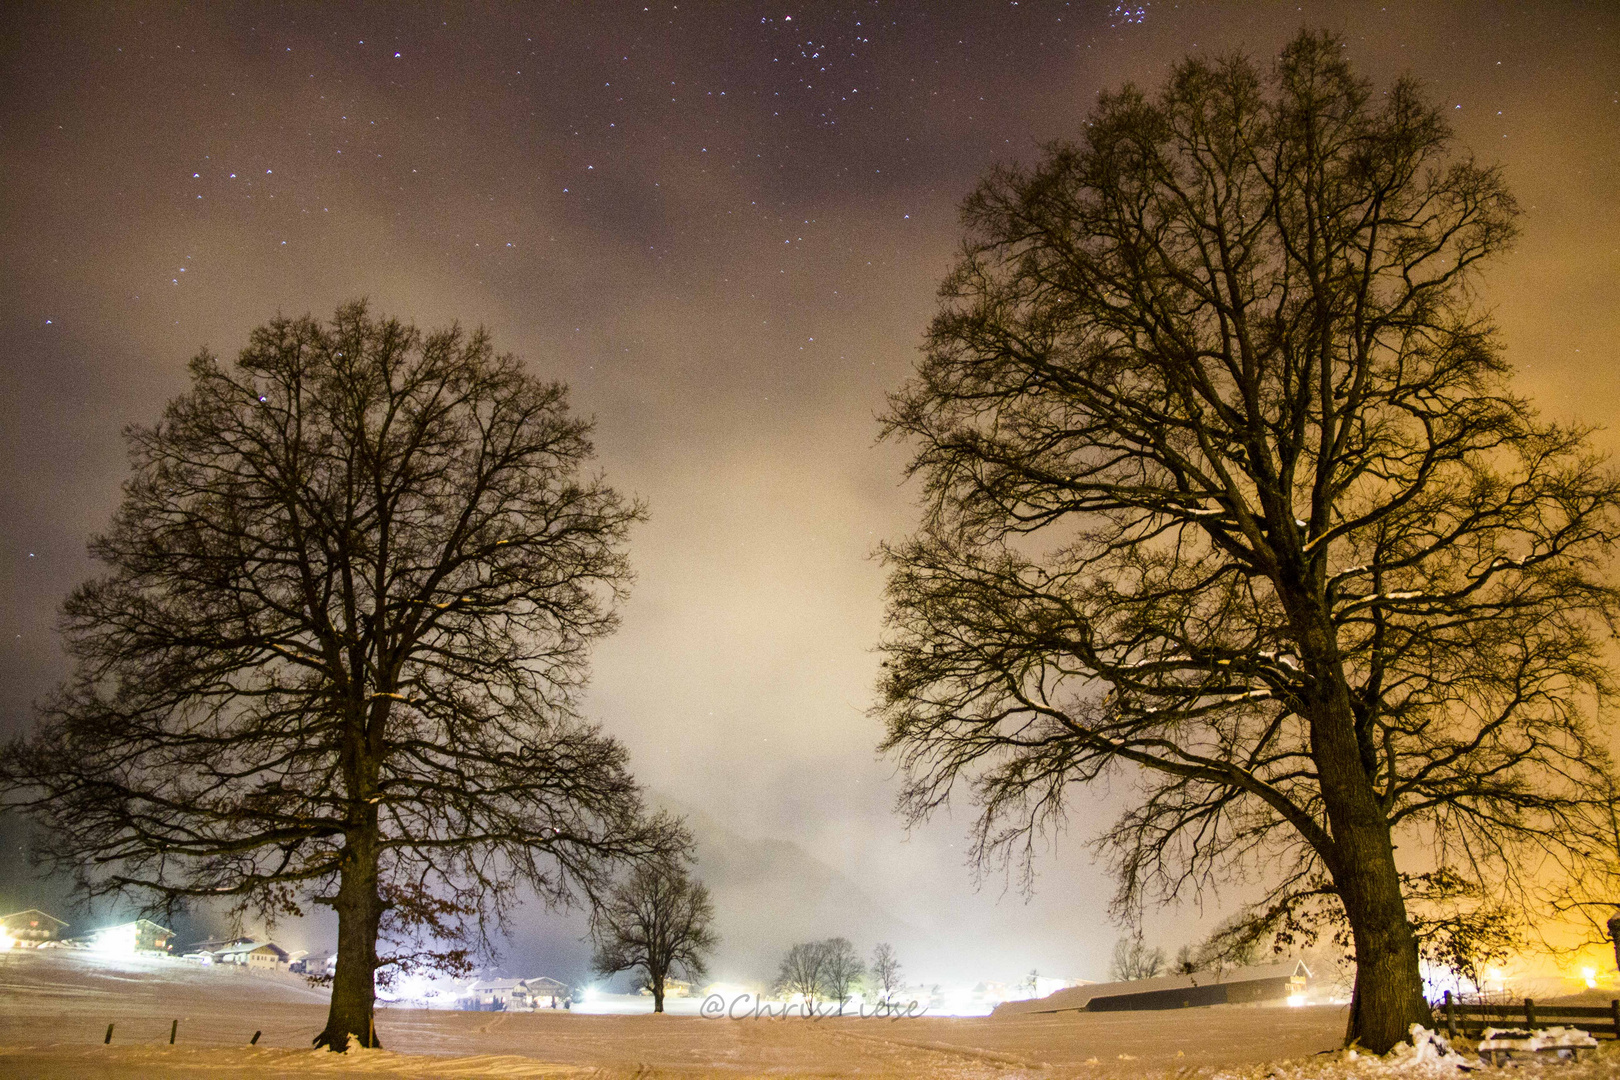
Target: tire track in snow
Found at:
972, 1053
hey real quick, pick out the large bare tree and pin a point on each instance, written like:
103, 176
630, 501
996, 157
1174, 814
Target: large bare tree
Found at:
333, 658
656, 920
1226, 488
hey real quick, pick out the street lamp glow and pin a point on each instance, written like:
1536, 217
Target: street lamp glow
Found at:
117, 940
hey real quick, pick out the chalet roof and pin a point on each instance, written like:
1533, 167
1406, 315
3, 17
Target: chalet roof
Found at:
1078, 997
217, 944
31, 914
247, 947
537, 984
142, 924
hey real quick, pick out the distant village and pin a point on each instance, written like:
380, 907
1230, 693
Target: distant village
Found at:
1280, 982
33, 928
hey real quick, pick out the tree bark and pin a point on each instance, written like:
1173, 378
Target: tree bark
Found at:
359, 909
658, 993
1388, 996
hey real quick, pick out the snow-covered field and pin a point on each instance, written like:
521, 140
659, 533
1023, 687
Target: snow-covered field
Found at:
55, 1006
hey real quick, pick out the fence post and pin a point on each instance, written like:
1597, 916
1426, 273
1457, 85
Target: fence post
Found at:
174, 1027
1451, 1018
1614, 1010
255, 1040
1529, 1013
108, 1039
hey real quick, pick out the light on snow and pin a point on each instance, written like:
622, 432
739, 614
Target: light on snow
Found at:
117, 940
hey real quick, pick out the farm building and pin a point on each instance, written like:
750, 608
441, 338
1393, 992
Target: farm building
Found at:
496, 995
544, 992
253, 955
511, 995
31, 927
315, 964
1276, 983
205, 950
142, 935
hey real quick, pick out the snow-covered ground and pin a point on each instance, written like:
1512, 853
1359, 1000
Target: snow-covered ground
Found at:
55, 1006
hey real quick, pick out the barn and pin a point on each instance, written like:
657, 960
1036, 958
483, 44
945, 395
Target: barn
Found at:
1259, 984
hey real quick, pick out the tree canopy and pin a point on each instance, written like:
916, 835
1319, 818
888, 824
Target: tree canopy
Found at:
1226, 487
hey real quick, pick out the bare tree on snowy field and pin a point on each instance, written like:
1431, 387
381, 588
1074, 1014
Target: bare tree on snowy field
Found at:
348, 601
656, 920
885, 969
1134, 960
842, 969
1226, 490
804, 972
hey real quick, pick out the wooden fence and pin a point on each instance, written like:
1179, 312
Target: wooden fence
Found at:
1470, 1019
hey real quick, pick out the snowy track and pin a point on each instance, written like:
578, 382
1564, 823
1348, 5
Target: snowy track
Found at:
55, 1006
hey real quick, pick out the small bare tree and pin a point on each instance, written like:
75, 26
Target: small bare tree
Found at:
804, 972
842, 969
885, 969
657, 920
348, 601
1134, 960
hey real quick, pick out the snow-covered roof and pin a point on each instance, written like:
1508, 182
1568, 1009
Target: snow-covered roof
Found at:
538, 984
215, 946
31, 915
140, 924
247, 947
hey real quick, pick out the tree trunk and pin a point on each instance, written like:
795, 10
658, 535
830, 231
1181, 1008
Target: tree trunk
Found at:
1388, 996
359, 911
658, 993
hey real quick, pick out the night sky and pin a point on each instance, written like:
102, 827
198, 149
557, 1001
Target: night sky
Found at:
722, 225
